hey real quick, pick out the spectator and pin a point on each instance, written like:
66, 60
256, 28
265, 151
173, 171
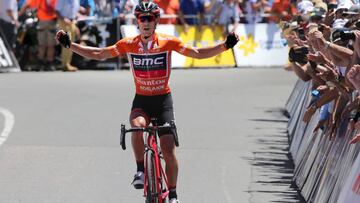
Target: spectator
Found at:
168, 7
87, 7
191, 8
227, 14
9, 20
66, 12
342, 7
282, 10
104, 8
46, 31
354, 76
303, 7
210, 8
255, 10
122, 8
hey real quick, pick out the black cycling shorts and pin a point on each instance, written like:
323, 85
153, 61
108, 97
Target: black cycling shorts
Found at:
159, 107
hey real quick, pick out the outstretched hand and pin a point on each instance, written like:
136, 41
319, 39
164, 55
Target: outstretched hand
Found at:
354, 76
63, 38
356, 139
317, 57
231, 40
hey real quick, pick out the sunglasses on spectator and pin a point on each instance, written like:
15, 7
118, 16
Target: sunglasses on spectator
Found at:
149, 18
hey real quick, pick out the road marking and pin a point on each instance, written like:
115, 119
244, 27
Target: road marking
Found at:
8, 124
223, 177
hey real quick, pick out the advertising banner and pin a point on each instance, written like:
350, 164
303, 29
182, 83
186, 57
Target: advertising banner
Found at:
260, 45
207, 36
8, 62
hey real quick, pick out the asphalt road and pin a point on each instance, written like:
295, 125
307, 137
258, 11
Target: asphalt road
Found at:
60, 133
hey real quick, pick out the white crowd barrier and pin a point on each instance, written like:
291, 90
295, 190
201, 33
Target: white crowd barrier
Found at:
326, 171
8, 62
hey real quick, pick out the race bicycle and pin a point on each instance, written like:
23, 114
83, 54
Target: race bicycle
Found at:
156, 187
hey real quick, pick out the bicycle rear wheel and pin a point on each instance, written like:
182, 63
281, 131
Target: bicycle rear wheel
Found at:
152, 182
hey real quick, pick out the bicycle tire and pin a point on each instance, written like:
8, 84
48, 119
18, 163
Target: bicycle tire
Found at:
152, 182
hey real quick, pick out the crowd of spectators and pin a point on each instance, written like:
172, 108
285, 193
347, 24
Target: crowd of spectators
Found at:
324, 41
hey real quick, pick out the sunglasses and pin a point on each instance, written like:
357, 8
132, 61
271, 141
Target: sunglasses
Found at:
146, 18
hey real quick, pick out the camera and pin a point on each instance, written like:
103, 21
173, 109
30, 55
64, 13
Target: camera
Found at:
347, 35
298, 54
301, 33
357, 24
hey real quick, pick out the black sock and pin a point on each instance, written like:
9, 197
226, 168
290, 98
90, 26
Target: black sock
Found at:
140, 166
172, 193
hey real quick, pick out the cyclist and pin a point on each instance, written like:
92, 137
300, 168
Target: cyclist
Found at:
149, 54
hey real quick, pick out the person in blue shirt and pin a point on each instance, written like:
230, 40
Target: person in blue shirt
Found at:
87, 7
67, 11
21, 3
191, 7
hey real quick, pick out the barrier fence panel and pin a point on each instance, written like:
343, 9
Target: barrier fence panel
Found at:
328, 178
298, 106
300, 128
8, 61
304, 166
292, 102
325, 170
347, 159
351, 190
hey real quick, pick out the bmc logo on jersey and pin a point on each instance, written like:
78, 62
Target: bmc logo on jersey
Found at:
149, 62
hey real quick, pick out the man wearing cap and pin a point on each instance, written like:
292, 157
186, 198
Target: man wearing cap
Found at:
304, 7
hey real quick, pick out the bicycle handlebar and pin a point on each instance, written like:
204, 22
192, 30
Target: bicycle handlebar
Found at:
171, 127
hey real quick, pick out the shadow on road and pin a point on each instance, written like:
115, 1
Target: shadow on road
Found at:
272, 165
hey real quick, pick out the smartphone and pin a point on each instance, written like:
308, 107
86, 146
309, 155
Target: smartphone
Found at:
301, 33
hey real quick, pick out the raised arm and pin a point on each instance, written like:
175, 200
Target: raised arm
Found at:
207, 52
85, 51
92, 52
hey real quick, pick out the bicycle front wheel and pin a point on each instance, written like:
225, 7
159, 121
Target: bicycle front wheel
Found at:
152, 193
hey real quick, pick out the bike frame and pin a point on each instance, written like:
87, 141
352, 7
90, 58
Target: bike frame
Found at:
160, 175
151, 144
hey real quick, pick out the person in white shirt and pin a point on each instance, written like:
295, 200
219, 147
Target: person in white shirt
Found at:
9, 20
255, 9
226, 14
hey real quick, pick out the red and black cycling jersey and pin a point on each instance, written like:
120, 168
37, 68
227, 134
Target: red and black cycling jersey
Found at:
151, 69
